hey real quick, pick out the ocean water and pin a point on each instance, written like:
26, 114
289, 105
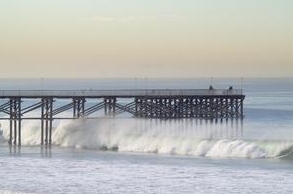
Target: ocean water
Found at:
130, 155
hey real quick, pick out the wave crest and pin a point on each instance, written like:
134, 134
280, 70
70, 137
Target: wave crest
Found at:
138, 135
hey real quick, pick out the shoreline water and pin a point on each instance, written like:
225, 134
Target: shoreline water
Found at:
67, 170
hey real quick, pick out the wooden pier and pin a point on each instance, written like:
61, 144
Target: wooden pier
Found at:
206, 104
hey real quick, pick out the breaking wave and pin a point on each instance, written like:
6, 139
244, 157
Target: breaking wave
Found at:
153, 136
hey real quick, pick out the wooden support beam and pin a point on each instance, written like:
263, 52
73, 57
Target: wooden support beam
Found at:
50, 120
19, 120
42, 121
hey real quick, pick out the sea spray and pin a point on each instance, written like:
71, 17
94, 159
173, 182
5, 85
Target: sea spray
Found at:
184, 137
236, 148
30, 131
138, 135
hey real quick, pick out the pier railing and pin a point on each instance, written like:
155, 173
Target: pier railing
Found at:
119, 93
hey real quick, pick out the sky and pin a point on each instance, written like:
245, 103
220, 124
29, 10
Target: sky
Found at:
139, 38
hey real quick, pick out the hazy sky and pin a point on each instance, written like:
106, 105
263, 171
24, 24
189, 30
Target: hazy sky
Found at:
146, 38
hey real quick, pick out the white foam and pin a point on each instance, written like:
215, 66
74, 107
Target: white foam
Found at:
236, 148
12, 192
139, 135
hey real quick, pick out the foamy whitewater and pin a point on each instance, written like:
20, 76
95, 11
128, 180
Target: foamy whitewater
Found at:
132, 155
154, 136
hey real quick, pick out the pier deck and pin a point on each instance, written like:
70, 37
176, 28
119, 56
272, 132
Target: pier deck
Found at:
118, 93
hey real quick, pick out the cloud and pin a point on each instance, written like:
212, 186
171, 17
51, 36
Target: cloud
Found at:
162, 18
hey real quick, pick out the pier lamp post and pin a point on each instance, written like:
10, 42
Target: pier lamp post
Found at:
42, 83
211, 81
146, 83
241, 83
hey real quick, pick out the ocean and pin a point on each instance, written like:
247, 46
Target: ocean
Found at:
131, 155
